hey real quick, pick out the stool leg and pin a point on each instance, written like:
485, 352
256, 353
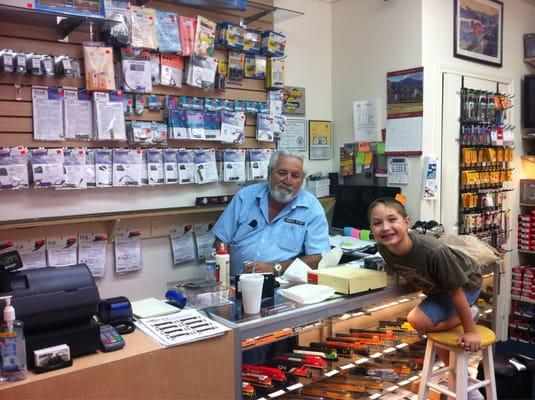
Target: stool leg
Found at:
427, 370
488, 368
452, 375
461, 381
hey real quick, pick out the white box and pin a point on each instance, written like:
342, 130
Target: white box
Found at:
319, 188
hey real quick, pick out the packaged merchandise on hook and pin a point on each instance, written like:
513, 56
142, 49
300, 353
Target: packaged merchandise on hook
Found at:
47, 167
117, 31
136, 70
155, 166
14, 168
98, 62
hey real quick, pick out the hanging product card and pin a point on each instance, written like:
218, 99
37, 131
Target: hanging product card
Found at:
167, 30
232, 127
182, 244
90, 175
92, 252
275, 73
233, 165
32, 252
78, 114
98, 61
109, 116
170, 162
47, 109
155, 172
205, 33
127, 167
257, 165
186, 27
47, 167
171, 70
264, 127
74, 163
144, 33
61, 251
155, 68
201, 71
14, 168
127, 251
195, 120
88, 8
398, 171
205, 165
431, 178
103, 167
137, 76
186, 166
204, 239
212, 125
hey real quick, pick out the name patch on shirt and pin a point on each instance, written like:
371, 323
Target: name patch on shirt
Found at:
294, 221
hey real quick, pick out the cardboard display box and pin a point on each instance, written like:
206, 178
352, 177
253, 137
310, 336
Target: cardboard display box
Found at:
348, 280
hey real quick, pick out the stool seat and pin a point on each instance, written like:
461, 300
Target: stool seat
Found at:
450, 337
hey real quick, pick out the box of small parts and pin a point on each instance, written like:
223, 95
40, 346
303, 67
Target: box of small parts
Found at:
201, 294
318, 187
348, 280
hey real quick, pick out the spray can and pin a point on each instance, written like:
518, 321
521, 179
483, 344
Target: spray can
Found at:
222, 260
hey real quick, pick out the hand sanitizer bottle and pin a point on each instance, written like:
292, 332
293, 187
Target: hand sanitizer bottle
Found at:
12, 345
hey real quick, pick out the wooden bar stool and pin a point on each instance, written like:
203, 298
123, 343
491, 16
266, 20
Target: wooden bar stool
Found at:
457, 370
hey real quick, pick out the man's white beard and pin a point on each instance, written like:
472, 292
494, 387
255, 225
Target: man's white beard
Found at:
281, 196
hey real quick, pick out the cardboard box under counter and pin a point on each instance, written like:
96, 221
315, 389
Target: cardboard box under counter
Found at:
348, 280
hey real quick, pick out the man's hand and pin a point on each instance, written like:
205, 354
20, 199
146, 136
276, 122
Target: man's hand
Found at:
470, 341
260, 267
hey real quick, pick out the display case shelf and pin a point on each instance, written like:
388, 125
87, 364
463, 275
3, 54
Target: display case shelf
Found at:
64, 23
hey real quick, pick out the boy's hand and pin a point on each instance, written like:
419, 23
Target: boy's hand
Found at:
470, 341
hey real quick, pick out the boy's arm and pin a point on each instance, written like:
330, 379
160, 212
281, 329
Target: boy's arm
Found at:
470, 339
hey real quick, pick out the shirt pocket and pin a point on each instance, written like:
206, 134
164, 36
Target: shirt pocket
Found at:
246, 234
291, 238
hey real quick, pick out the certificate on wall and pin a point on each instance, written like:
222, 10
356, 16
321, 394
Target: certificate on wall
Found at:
320, 140
295, 135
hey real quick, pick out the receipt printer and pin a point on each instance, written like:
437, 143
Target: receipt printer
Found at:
57, 306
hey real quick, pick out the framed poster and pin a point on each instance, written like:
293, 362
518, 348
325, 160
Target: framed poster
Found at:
295, 135
478, 31
320, 140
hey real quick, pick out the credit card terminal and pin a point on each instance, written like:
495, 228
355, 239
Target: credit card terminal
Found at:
110, 340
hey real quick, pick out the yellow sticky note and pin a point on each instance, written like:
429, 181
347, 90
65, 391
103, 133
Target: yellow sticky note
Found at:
368, 158
360, 158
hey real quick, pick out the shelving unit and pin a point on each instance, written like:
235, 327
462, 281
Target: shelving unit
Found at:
484, 169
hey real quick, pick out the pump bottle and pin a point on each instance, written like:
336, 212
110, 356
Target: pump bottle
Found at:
222, 260
12, 345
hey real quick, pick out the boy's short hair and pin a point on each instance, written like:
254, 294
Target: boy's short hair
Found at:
389, 202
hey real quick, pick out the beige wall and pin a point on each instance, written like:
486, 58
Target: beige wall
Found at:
371, 38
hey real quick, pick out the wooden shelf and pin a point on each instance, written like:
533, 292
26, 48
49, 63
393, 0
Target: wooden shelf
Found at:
326, 202
527, 205
526, 252
528, 136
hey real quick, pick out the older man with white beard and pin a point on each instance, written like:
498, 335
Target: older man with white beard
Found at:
268, 225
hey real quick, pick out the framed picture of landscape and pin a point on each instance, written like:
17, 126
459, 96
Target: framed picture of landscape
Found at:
478, 31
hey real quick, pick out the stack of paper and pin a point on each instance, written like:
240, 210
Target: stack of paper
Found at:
182, 327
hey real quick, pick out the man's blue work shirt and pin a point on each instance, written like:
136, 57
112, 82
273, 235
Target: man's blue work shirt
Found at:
300, 228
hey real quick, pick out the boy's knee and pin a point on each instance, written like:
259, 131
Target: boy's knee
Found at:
419, 321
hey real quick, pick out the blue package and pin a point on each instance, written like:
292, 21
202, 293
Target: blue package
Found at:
168, 36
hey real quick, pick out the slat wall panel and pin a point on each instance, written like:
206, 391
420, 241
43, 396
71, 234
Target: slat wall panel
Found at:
16, 125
